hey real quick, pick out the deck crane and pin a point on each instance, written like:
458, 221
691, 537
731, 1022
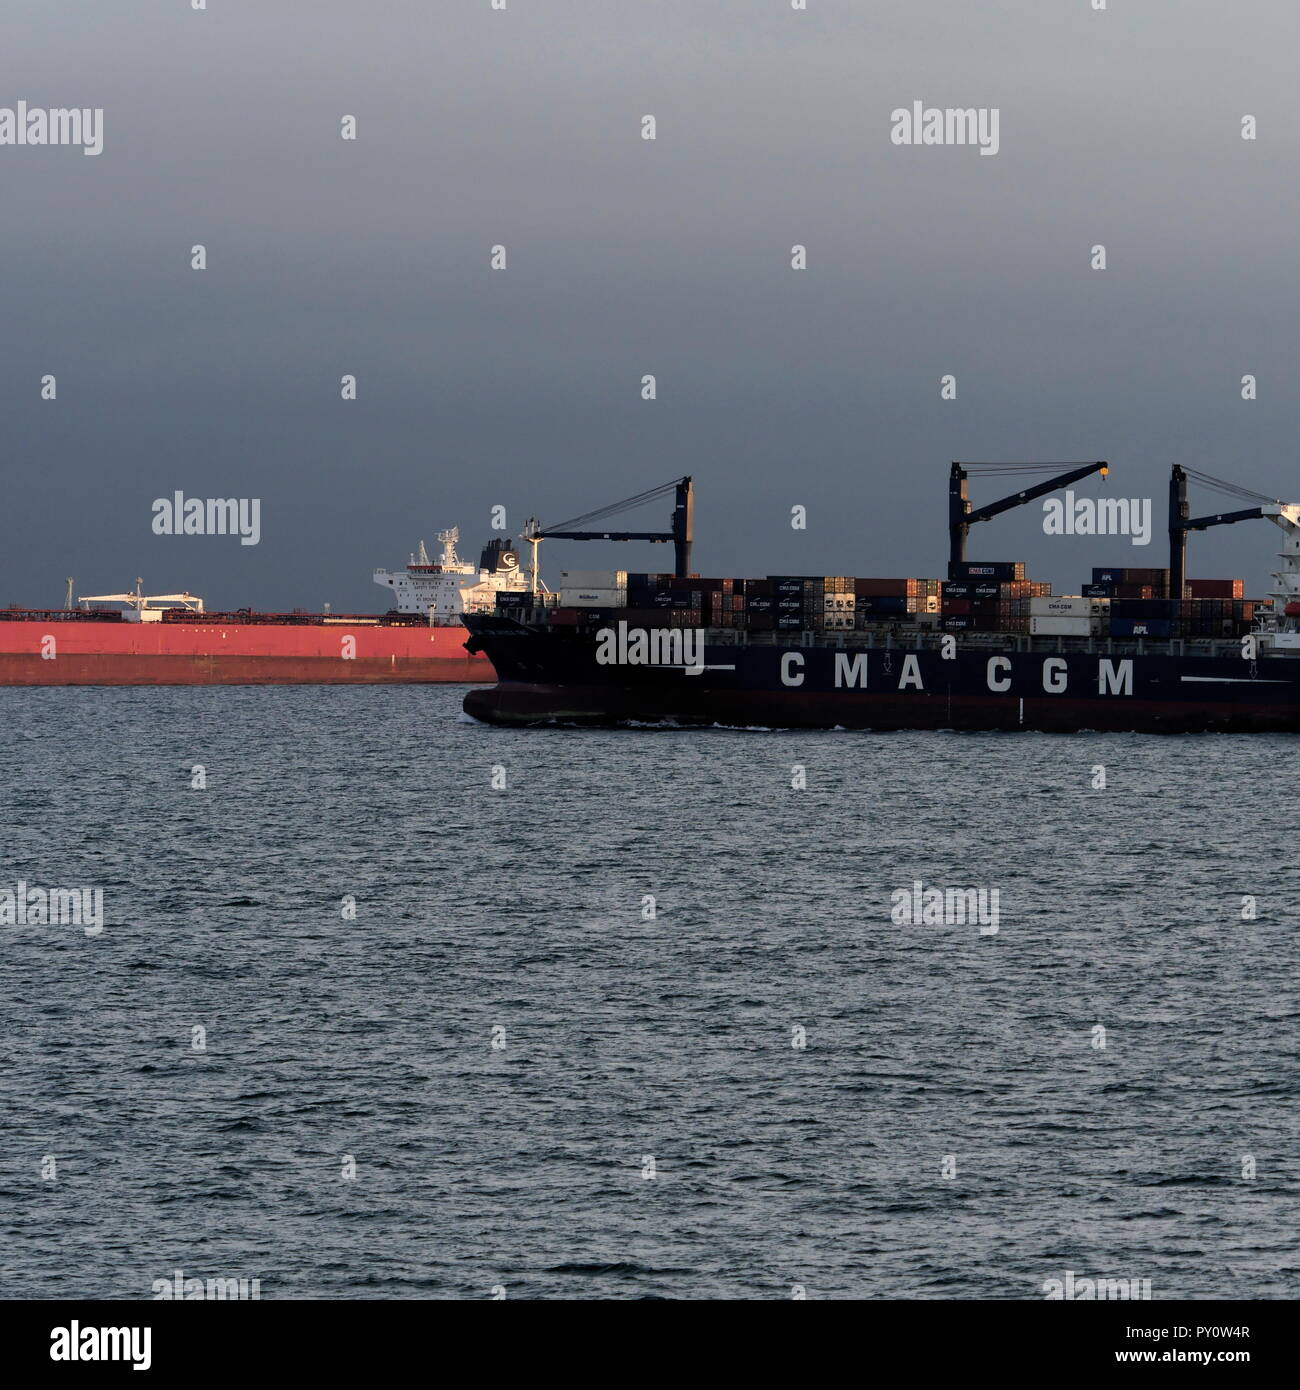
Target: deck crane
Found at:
681, 530
1181, 522
1285, 631
962, 516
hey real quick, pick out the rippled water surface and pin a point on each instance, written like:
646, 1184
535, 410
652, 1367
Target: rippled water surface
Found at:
522, 915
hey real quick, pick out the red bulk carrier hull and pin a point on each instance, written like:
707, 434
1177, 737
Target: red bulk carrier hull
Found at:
58, 649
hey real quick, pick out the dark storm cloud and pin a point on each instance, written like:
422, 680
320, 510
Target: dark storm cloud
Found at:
628, 257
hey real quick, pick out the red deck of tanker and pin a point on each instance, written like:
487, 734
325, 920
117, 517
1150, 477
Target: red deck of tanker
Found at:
54, 648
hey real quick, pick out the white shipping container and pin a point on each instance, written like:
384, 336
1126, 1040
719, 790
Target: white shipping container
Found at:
593, 598
593, 579
1076, 625
1067, 605
838, 603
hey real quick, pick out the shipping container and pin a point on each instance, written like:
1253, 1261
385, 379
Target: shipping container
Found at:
1141, 627
1063, 605
1215, 588
973, 622
887, 588
1064, 626
995, 588
593, 579
1157, 579
1141, 608
647, 617
986, 569
883, 603
593, 598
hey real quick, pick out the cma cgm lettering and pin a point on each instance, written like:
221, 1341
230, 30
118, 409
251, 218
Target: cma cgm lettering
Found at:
852, 671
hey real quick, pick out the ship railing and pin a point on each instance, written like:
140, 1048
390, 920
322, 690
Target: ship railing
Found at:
921, 639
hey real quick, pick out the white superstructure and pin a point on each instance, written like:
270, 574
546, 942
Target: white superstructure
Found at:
1281, 630
444, 590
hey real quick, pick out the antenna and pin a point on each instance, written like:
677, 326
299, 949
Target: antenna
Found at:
449, 537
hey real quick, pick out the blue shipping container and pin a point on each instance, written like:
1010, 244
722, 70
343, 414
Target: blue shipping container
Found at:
1141, 627
881, 603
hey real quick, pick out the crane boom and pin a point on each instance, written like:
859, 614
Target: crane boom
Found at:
681, 530
962, 516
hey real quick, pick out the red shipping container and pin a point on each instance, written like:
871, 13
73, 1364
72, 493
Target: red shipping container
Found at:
1215, 588
886, 588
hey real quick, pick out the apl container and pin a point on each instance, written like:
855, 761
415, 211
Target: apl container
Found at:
1141, 627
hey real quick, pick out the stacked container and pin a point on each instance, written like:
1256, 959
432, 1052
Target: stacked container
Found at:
1000, 570
1067, 615
1129, 582
593, 588
1214, 588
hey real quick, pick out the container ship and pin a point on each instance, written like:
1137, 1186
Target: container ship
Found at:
985, 648
136, 638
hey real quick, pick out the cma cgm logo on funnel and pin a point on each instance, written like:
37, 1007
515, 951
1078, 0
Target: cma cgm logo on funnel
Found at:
656, 646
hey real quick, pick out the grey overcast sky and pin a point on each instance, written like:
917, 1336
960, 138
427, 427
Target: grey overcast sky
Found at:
627, 257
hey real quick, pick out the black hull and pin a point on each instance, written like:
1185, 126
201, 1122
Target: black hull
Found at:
610, 707
555, 678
